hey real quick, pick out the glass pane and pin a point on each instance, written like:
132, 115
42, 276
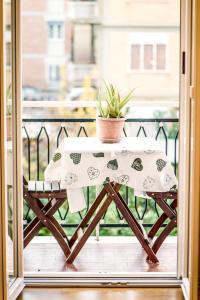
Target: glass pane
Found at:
161, 57
148, 57
9, 142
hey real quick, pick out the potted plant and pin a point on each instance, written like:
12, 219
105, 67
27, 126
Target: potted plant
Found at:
110, 104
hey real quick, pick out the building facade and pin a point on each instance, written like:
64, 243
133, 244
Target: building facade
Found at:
132, 43
45, 55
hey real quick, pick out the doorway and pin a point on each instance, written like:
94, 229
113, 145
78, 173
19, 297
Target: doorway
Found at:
73, 45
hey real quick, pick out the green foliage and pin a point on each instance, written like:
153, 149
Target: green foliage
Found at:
110, 103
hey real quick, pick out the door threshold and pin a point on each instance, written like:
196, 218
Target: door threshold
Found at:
101, 282
68, 275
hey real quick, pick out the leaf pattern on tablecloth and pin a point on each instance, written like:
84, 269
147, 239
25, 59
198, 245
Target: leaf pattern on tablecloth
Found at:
71, 178
76, 158
123, 179
112, 164
161, 163
125, 152
137, 164
149, 151
93, 172
167, 180
173, 188
148, 183
57, 156
98, 154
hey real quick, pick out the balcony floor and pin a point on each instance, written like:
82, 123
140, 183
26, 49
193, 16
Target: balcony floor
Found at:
110, 254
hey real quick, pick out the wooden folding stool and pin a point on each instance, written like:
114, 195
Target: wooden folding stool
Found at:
169, 211
33, 192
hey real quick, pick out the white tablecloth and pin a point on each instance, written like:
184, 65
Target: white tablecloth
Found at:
135, 162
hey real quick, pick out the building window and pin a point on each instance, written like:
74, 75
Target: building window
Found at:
135, 57
54, 73
161, 57
55, 30
148, 52
148, 57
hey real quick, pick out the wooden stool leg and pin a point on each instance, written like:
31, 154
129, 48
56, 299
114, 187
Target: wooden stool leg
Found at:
160, 221
47, 222
159, 241
169, 212
56, 204
167, 209
36, 224
36, 220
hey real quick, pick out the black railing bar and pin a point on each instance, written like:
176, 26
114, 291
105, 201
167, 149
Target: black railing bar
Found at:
38, 152
29, 152
71, 120
141, 129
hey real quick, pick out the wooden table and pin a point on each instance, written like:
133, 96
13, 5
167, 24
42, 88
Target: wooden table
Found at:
139, 163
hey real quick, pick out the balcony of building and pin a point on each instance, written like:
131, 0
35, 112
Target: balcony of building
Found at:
78, 73
83, 11
110, 254
112, 246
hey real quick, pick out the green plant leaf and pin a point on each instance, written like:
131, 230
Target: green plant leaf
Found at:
126, 99
112, 104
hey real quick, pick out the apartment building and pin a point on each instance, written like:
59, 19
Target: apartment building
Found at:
74, 42
140, 41
45, 55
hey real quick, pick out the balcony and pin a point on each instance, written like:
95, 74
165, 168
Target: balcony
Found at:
78, 73
83, 11
109, 254
41, 137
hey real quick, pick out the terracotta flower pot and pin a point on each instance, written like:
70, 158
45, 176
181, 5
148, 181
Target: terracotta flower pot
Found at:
110, 130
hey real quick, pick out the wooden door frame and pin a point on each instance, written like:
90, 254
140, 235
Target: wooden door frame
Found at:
193, 146
190, 171
194, 155
17, 285
3, 208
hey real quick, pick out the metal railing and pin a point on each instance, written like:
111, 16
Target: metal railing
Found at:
41, 137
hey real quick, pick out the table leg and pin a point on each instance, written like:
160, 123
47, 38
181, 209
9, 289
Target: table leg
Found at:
122, 206
98, 225
89, 230
93, 223
88, 216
